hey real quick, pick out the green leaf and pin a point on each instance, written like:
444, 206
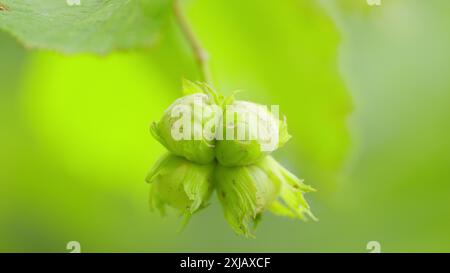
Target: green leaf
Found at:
93, 26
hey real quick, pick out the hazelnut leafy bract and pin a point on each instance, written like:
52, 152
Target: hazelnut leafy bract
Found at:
246, 192
224, 144
180, 183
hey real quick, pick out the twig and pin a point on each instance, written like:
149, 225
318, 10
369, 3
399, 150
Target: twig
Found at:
201, 56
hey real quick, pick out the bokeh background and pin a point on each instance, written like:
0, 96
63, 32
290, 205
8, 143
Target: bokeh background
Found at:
366, 91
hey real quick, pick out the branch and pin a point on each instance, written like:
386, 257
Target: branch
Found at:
201, 56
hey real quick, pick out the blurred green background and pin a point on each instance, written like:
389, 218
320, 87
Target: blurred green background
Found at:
366, 91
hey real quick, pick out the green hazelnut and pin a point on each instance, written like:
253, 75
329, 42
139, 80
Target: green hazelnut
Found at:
187, 127
249, 133
180, 184
245, 192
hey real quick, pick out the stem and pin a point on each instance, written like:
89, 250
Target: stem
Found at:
200, 54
